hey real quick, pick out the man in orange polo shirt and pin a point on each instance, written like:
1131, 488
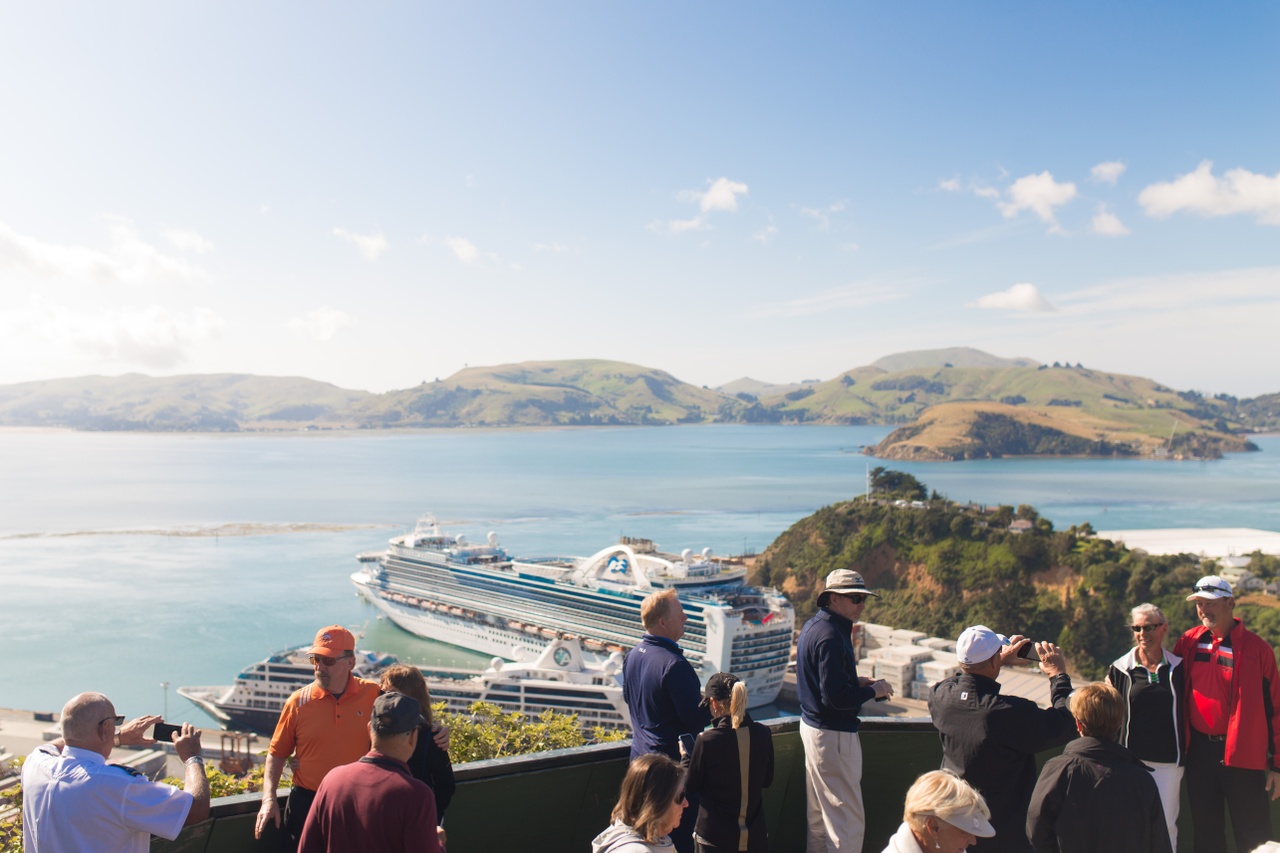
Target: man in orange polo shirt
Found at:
1233, 717
325, 725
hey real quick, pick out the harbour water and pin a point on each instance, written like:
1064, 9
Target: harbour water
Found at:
118, 572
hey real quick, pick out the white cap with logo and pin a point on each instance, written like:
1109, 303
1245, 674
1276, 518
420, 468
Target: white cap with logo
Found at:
1210, 587
979, 643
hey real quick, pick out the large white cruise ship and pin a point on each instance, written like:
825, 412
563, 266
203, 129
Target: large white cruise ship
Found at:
476, 596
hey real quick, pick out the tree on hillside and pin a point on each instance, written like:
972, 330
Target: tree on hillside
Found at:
896, 484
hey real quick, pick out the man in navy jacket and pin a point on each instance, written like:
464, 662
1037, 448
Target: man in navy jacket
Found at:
663, 693
831, 694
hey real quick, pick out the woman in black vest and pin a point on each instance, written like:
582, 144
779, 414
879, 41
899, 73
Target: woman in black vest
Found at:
731, 766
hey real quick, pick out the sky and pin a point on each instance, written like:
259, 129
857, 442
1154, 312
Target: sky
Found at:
378, 194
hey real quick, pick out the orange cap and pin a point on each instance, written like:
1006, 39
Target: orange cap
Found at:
333, 642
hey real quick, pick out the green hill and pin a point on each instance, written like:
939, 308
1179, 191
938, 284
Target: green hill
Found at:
951, 357
552, 393
941, 567
209, 403
953, 431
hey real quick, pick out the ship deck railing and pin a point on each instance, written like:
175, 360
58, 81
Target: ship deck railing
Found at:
558, 801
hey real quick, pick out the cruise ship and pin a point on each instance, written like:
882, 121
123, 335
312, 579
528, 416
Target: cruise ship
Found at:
476, 596
559, 680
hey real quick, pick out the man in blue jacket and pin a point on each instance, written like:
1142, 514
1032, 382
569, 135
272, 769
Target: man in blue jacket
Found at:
831, 694
663, 693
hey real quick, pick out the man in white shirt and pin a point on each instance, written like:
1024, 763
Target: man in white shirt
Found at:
73, 800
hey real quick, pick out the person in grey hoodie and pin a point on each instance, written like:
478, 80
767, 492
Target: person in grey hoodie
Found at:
650, 805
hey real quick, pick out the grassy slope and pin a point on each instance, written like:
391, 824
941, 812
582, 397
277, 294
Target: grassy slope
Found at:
156, 402
548, 393
1145, 404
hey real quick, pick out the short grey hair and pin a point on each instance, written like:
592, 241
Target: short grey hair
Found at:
1148, 608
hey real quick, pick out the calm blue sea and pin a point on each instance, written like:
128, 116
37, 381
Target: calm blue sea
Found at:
104, 589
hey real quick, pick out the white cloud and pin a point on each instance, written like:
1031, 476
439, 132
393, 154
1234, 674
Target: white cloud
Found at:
823, 215
320, 325
951, 185
765, 234
1187, 294
721, 195
1021, 298
1039, 194
1108, 172
370, 245
463, 249
152, 337
1237, 191
188, 241
857, 295
128, 258
1107, 223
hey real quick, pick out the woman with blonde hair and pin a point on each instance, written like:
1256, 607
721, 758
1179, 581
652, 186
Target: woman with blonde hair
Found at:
942, 813
650, 805
732, 764
429, 762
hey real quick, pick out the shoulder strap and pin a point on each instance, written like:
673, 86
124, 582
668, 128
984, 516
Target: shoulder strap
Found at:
744, 765
132, 771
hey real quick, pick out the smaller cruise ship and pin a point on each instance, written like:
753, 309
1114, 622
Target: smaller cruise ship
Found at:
559, 679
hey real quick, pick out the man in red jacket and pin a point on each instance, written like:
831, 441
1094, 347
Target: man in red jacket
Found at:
1233, 716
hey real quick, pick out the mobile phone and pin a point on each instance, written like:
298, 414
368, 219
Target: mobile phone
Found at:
1028, 652
686, 741
164, 732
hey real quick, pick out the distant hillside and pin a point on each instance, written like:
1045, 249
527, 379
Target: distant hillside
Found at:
870, 395
599, 392
754, 388
952, 431
585, 392
952, 357
207, 403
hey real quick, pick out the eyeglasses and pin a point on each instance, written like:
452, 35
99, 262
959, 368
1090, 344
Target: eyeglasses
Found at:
315, 659
680, 796
1145, 629
119, 719
857, 599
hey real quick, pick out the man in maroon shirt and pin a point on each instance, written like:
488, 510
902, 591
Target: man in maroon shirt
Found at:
1233, 717
375, 803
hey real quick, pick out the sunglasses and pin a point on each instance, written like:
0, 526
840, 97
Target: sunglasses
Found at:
857, 599
1145, 629
119, 718
680, 796
315, 659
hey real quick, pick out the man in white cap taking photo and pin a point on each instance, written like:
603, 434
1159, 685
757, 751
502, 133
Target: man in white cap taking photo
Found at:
991, 740
1233, 716
831, 694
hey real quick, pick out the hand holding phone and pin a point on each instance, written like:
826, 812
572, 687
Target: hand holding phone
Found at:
163, 732
686, 745
1028, 652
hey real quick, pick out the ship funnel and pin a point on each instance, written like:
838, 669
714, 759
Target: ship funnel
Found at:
686, 554
493, 539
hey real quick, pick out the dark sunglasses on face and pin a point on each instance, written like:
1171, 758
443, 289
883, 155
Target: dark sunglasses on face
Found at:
1145, 629
315, 659
857, 599
680, 796
119, 718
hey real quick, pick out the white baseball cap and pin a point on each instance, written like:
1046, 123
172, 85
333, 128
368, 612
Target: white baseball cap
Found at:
1212, 586
979, 643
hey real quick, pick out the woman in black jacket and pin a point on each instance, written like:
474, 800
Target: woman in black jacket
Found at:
429, 762
730, 816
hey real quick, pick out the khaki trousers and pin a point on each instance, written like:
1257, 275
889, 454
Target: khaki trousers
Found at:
833, 784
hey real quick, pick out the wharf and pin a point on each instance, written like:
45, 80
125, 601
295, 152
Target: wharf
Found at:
1205, 541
